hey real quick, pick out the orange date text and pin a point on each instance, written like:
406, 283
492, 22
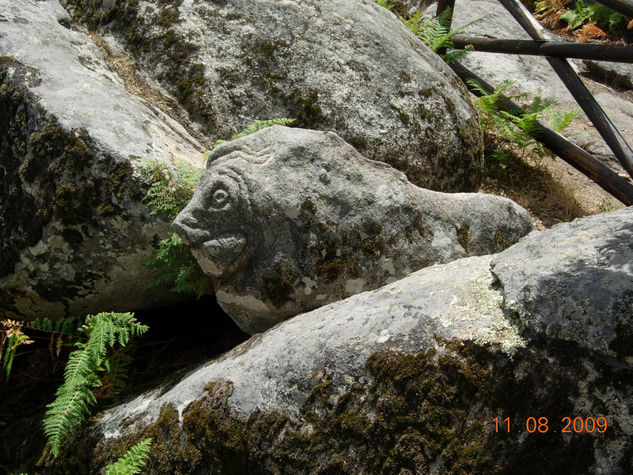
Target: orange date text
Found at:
543, 425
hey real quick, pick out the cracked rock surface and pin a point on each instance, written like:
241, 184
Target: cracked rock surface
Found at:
413, 374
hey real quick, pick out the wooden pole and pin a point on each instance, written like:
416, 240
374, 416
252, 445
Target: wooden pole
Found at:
601, 52
577, 88
621, 6
578, 158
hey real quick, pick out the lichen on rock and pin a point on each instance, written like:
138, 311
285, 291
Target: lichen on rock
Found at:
341, 65
287, 220
73, 229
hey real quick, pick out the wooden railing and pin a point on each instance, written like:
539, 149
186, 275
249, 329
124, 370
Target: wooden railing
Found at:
556, 54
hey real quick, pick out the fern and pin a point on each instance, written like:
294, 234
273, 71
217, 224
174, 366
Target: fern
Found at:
11, 337
256, 126
436, 33
169, 192
177, 266
75, 396
559, 120
385, 4
489, 102
518, 129
133, 461
114, 380
169, 189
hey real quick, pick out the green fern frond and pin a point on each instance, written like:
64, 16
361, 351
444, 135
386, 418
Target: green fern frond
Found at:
436, 33
560, 119
133, 461
454, 56
68, 325
385, 4
177, 266
114, 380
170, 189
75, 396
257, 126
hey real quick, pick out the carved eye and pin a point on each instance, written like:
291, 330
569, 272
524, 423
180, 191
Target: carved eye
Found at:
220, 198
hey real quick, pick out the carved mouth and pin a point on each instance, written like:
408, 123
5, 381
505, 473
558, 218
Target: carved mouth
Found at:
216, 255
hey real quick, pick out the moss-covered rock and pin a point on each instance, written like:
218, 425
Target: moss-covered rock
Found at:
435, 373
73, 229
443, 409
347, 66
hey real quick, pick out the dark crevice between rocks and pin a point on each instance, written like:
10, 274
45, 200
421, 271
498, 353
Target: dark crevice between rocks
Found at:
180, 338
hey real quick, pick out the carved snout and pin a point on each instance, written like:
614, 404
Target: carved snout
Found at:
215, 254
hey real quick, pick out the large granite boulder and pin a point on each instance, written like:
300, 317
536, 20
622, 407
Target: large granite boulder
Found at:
287, 220
413, 375
349, 66
73, 230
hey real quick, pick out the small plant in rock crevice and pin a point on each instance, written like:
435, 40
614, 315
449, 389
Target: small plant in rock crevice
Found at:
519, 131
436, 33
170, 190
133, 461
385, 4
13, 336
257, 126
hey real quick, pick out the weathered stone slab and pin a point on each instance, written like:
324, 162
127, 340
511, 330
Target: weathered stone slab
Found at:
73, 230
574, 282
413, 375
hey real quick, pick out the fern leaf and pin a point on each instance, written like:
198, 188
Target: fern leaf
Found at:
559, 119
72, 400
133, 461
261, 124
74, 397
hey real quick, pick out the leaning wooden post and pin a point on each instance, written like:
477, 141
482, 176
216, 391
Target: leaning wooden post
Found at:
562, 49
600, 120
578, 158
442, 5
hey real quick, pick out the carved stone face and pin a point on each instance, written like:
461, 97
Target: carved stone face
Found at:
213, 222
286, 220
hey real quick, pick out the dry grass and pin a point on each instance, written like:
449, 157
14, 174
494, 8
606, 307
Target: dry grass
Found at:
549, 189
548, 12
136, 84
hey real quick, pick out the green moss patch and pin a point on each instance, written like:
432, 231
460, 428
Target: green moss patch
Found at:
418, 410
152, 39
48, 173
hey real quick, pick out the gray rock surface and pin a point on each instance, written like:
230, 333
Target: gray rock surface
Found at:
615, 74
413, 374
287, 220
574, 282
73, 231
349, 66
534, 75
